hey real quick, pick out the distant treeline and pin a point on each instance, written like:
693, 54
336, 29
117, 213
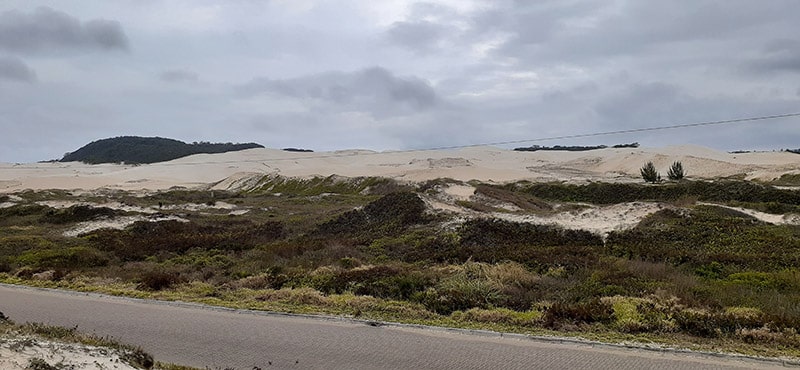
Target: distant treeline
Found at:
136, 150
795, 151
573, 148
298, 150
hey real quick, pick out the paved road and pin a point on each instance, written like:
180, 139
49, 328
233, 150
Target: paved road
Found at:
206, 337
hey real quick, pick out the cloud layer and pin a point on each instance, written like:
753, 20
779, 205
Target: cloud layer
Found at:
395, 75
14, 69
46, 30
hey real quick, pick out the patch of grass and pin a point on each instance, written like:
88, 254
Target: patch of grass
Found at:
69, 258
322, 185
522, 200
788, 179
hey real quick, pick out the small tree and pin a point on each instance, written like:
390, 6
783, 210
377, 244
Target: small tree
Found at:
649, 173
676, 172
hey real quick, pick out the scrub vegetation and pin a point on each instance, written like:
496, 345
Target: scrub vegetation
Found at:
696, 275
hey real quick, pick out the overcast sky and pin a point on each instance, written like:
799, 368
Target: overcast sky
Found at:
388, 75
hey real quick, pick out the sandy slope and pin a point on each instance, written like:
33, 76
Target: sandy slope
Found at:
481, 163
16, 354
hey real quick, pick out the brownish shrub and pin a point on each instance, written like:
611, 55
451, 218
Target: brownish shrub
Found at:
158, 280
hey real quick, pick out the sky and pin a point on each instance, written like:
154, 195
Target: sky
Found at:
395, 75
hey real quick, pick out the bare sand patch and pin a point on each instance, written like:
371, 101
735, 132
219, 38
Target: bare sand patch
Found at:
787, 219
599, 220
117, 223
17, 353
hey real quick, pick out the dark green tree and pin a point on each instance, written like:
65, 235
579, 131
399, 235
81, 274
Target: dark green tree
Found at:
649, 173
676, 171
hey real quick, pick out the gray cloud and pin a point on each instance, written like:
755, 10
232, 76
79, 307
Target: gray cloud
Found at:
178, 75
779, 56
14, 69
576, 32
419, 36
46, 29
374, 90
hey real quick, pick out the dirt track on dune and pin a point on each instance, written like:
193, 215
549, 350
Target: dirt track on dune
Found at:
207, 337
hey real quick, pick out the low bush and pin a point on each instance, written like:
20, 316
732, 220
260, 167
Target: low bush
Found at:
494, 232
708, 235
576, 313
68, 258
387, 216
158, 279
78, 213
145, 239
612, 193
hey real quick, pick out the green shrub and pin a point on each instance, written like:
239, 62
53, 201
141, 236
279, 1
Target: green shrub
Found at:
539, 246
649, 173
460, 293
15, 245
676, 172
494, 232
707, 235
144, 239
387, 216
707, 191
77, 214
382, 281
69, 258
696, 322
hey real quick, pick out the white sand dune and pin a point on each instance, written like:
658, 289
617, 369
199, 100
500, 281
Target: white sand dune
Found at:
490, 164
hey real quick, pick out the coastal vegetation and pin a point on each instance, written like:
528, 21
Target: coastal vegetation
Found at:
696, 273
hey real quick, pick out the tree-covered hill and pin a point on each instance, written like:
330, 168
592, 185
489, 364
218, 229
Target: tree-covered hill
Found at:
134, 149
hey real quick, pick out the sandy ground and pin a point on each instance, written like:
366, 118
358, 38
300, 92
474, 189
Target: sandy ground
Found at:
489, 164
117, 223
16, 354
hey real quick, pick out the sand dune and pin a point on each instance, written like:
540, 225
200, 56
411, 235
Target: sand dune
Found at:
488, 164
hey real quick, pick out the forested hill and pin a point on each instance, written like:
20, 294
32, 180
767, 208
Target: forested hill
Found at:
134, 149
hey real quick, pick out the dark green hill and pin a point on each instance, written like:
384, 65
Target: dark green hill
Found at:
135, 149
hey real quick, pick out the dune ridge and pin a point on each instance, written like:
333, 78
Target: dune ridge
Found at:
488, 164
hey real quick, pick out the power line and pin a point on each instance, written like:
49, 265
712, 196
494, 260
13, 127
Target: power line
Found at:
627, 131
573, 136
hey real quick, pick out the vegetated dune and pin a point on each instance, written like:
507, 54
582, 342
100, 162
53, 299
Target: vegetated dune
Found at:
489, 164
